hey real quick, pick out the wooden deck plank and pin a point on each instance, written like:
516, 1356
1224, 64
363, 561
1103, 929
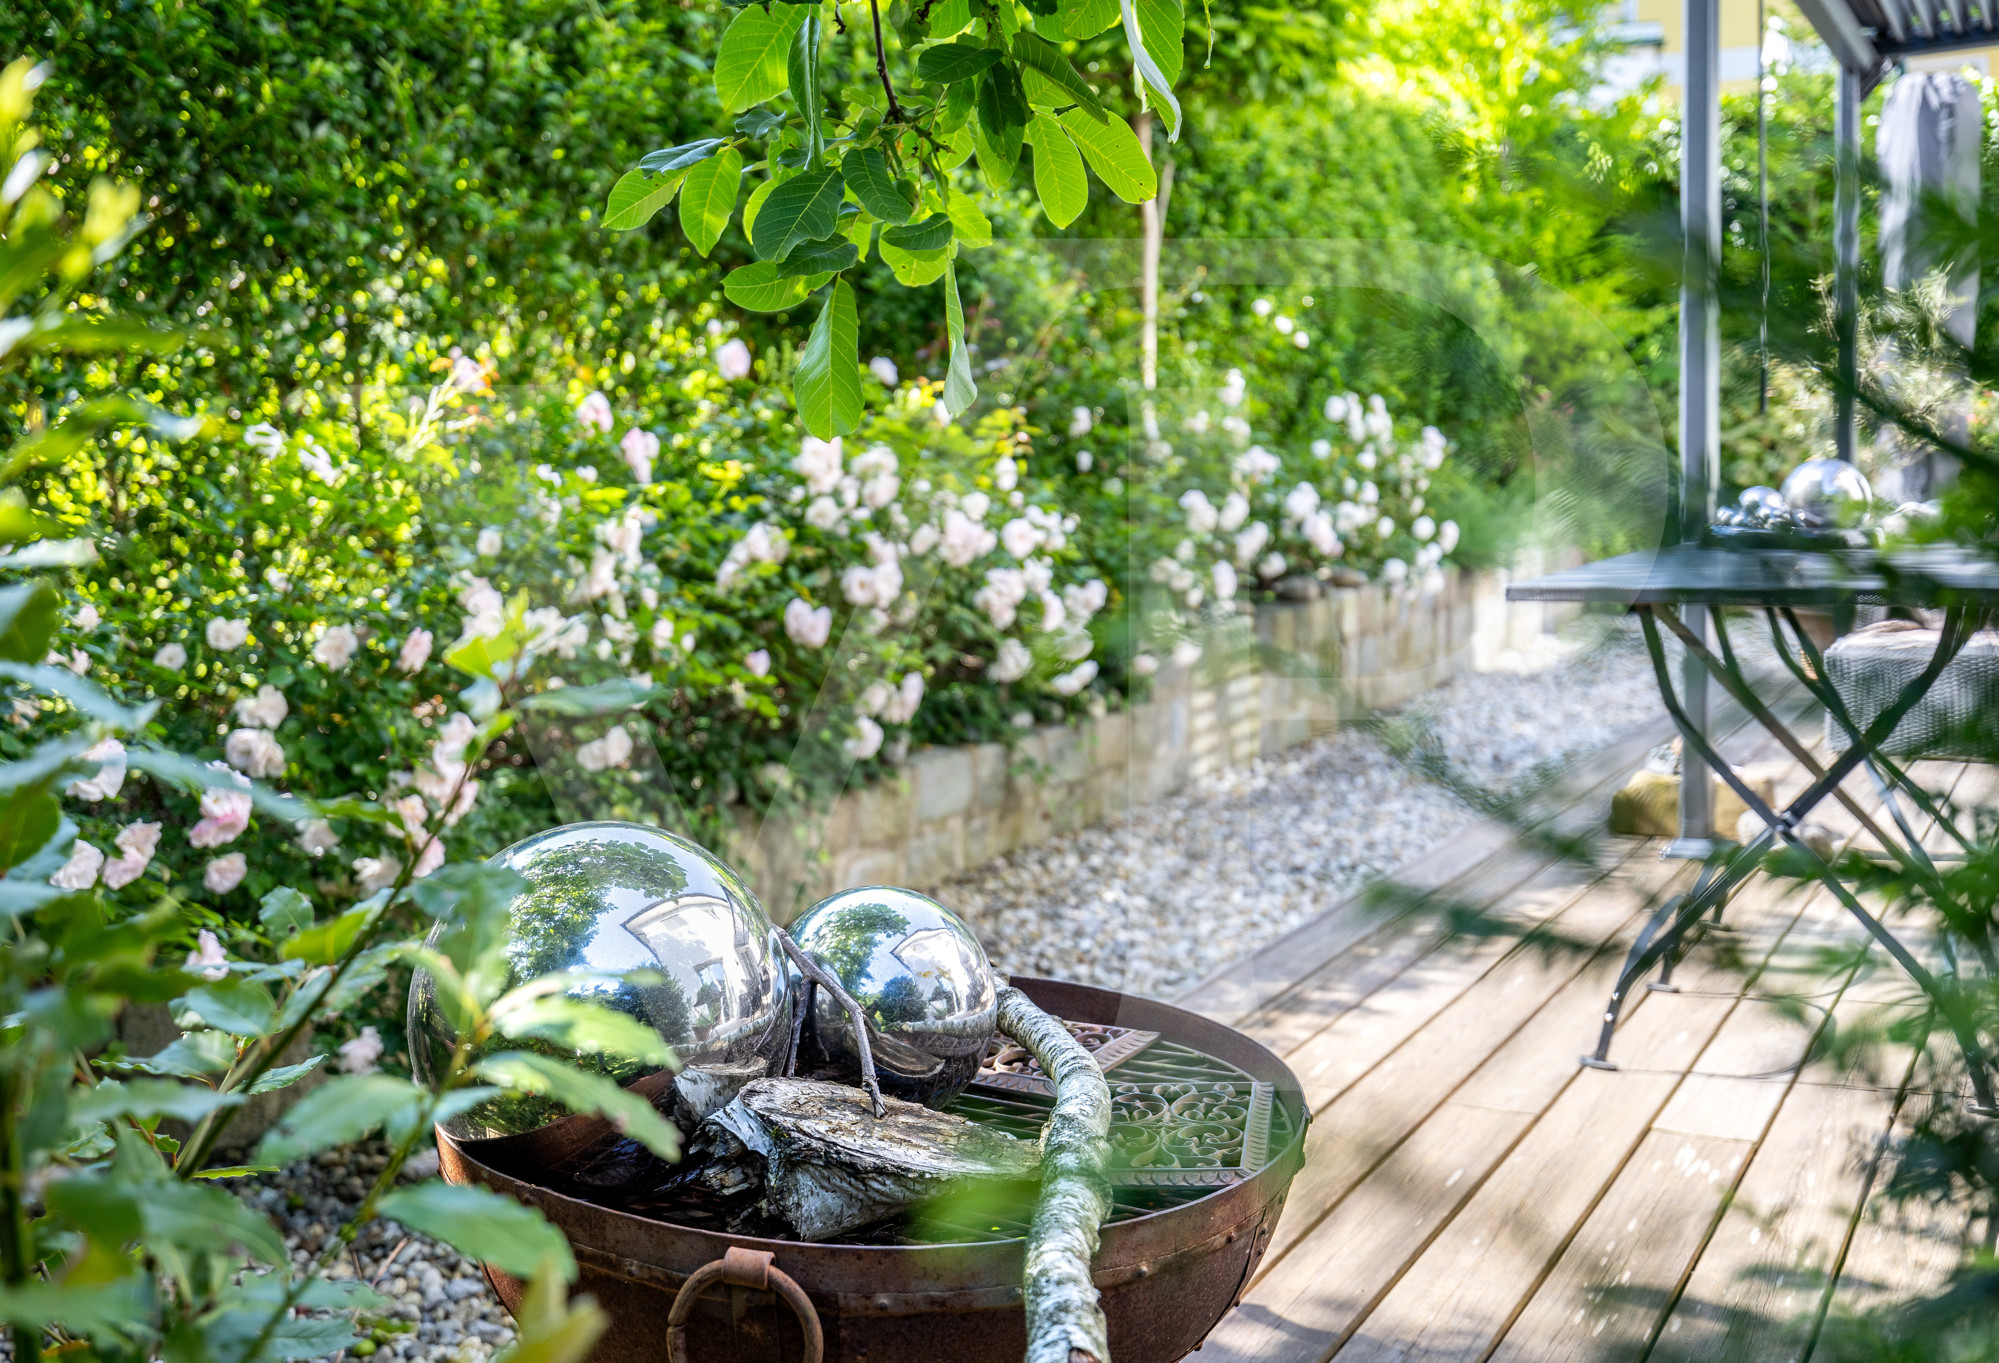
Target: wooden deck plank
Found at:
1603, 1298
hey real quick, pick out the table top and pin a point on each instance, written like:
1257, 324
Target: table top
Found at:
1935, 574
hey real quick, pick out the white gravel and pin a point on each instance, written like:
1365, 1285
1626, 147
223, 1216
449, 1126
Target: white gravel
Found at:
1149, 903
1162, 897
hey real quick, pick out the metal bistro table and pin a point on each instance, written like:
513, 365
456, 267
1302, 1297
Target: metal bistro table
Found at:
1778, 582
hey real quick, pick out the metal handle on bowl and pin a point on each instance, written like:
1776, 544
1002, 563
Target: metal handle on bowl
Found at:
742, 1268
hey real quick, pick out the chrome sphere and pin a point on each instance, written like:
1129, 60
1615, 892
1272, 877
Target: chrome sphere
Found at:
930, 997
1764, 501
616, 898
1828, 492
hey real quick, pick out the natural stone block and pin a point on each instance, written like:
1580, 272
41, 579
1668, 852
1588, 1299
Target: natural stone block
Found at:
943, 780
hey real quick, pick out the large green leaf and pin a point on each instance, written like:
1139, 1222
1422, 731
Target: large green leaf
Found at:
193, 1055
613, 697
913, 269
1077, 19
821, 258
1046, 60
638, 195
284, 911
327, 942
28, 819
585, 1028
828, 384
1158, 86
343, 1109
932, 234
1114, 154
867, 176
750, 65
1003, 112
803, 208
632, 1115
969, 227
284, 1076
683, 157
959, 389
949, 63
1059, 177
28, 615
1163, 25
709, 198
143, 1098
483, 1225
236, 1006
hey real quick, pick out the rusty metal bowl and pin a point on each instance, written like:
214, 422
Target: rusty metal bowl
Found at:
1166, 1277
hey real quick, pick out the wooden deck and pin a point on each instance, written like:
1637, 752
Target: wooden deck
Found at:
1471, 1193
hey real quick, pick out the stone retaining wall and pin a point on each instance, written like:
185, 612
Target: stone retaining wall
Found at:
1295, 673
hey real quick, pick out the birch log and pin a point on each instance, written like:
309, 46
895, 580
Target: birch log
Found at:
1064, 1322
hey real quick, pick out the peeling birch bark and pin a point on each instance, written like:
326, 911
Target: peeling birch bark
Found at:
1064, 1322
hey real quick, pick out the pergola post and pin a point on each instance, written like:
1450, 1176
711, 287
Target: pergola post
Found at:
1846, 253
1700, 376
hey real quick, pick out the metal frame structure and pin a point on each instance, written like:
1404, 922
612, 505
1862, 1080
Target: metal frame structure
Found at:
1867, 38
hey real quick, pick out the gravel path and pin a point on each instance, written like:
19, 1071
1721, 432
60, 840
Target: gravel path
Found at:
1160, 898
1149, 903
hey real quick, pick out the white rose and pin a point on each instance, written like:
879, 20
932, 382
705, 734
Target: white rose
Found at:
208, 960
964, 540
866, 740
376, 873
806, 626
173, 657
640, 448
1201, 514
80, 871
254, 753
1250, 543
1447, 536
1224, 579
1012, 663
415, 651
359, 1055
595, 411
1385, 526
489, 541
110, 777
732, 360
818, 463
1144, 664
975, 505
336, 647
1273, 565
1235, 510
880, 490
136, 844
1019, 537
316, 837
225, 635
1080, 422
883, 368
265, 710
924, 540
902, 706
857, 584
1423, 527
1301, 501
1074, 680
613, 749
225, 873
265, 439
1394, 570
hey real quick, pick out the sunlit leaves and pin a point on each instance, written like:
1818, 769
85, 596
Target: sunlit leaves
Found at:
631, 1114
1046, 60
240, 1007
750, 65
828, 383
637, 196
345, 1108
868, 179
709, 198
1114, 154
758, 287
951, 62
28, 614
482, 1225
804, 208
1059, 178
932, 234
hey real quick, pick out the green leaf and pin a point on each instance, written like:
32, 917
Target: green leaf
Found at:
552, 1330
237, 1170
524, 1072
750, 64
1158, 86
118, 1309
958, 146
345, 1108
759, 123
193, 1055
1045, 59
637, 196
28, 819
1163, 25
284, 911
283, 1077
1114, 154
709, 198
828, 382
1059, 177
184, 1216
803, 208
867, 175
969, 226
480, 655
195, 777
17, 523
482, 1225
913, 269
586, 1029
683, 157
949, 63
932, 234
959, 389
1001, 125
235, 1006
1077, 19
329, 941
143, 1098
28, 616
949, 16
607, 697
821, 258
89, 699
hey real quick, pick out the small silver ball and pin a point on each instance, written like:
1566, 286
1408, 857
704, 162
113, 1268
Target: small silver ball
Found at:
1828, 492
1762, 501
621, 897
930, 997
